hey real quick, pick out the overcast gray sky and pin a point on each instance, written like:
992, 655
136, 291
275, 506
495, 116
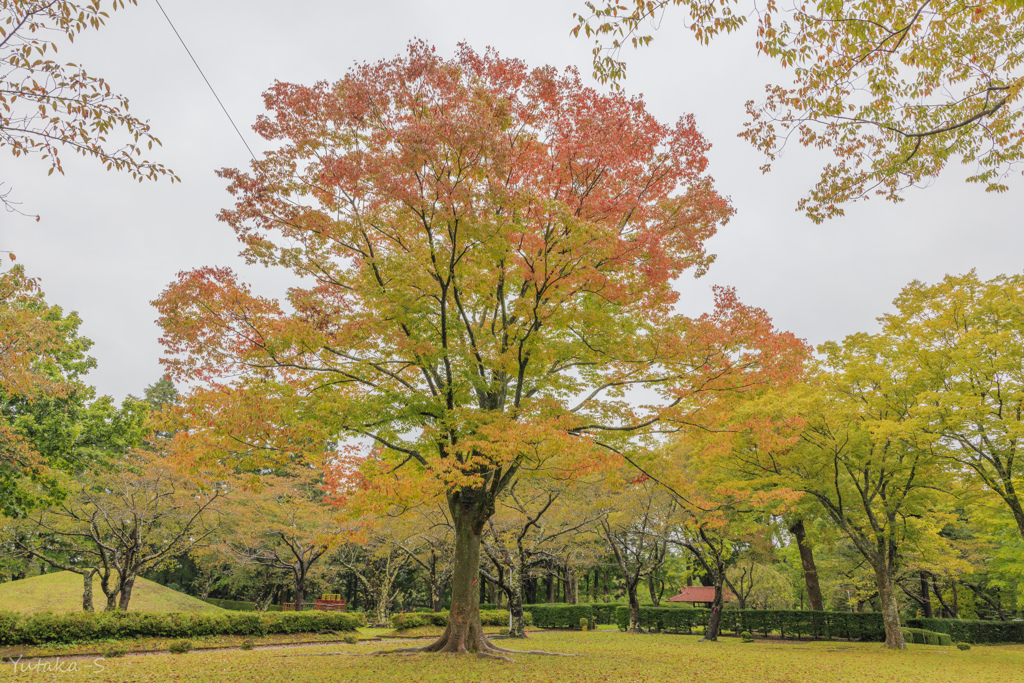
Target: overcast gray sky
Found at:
106, 246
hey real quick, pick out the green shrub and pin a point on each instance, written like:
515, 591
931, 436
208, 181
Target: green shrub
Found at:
931, 638
974, 631
604, 612
180, 647
583, 624
248, 644
351, 638
747, 637
853, 626
963, 646
409, 620
240, 605
945, 639
559, 615
45, 627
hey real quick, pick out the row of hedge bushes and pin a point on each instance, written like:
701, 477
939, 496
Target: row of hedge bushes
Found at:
866, 626
498, 617
555, 615
70, 627
240, 605
974, 631
924, 637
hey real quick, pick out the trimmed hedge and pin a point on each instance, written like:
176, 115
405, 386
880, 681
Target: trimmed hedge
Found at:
72, 627
675, 619
851, 625
974, 631
559, 615
604, 612
240, 605
402, 622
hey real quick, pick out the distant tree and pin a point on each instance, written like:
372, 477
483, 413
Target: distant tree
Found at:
963, 340
637, 524
124, 520
50, 420
279, 520
161, 393
47, 106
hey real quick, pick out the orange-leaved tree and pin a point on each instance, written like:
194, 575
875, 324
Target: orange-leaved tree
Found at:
488, 252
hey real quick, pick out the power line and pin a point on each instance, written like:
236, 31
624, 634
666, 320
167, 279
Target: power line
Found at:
225, 109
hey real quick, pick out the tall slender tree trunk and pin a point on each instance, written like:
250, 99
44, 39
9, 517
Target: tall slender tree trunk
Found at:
300, 590
634, 605
87, 590
517, 623
926, 600
655, 596
810, 569
715, 620
890, 608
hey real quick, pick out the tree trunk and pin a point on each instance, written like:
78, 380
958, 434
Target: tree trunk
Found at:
810, 569
655, 598
634, 606
571, 586
126, 593
926, 601
551, 586
470, 510
384, 598
715, 620
890, 609
87, 590
517, 625
300, 591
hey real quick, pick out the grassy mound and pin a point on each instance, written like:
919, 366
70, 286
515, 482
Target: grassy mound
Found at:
62, 592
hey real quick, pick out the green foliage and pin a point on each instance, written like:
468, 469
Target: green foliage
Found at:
583, 624
48, 627
747, 637
180, 647
411, 620
249, 643
850, 625
963, 646
557, 615
351, 638
677, 619
974, 631
240, 605
604, 612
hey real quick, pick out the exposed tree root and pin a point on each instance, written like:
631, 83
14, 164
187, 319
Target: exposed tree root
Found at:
484, 649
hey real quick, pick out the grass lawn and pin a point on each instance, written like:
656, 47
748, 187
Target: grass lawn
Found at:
605, 656
62, 592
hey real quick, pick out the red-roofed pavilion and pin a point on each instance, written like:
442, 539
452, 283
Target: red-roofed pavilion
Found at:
705, 594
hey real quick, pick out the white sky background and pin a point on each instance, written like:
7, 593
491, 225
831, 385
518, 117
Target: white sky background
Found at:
106, 245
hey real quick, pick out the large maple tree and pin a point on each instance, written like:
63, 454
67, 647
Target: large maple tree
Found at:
487, 253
